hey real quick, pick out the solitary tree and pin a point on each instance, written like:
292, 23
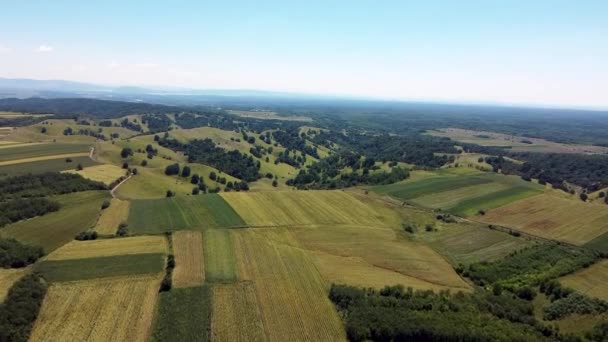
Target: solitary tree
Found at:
186, 171
212, 175
195, 179
126, 152
172, 169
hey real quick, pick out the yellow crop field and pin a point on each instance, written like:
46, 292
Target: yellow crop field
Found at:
291, 295
291, 208
590, 281
552, 217
112, 216
110, 247
33, 159
189, 264
357, 255
235, 313
105, 173
119, 309
9, 276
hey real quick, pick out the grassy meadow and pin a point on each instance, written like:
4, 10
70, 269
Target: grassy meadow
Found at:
78, 213
45, 165
32, 152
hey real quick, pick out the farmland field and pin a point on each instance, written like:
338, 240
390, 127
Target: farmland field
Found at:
46, 165
105, 173
235, 315
268, 115
599, 243
189, 263
516, 143
590, 281
120, 309
219, 255
377, 250
110, 247
288, 288
8, 277
37, 151
101, 267
461, 193
183, 315
288, 208
553, 217
112, 216
464, 243
78, 213
181, 212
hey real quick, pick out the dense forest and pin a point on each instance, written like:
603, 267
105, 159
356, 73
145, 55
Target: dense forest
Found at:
325, 174
24, 208
587, 171
414, 149
45, 184
20, 308
206, 152
14, 254
397, 314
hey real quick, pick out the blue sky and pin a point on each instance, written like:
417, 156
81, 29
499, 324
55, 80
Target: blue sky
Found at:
533, 52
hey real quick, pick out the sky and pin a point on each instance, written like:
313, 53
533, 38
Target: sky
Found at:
517, 52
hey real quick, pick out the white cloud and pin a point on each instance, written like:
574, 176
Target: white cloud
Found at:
79, 67
113, 65
5, 49
146, 65
45, 48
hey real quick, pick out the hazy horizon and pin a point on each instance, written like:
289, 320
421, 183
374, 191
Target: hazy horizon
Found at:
546, 53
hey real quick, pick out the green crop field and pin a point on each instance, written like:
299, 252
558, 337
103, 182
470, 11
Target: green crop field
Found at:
493, 200
101, 267
79, 212
600, 243
461, 193
48, 165
183, 315
40, 150
218, 249
182, 212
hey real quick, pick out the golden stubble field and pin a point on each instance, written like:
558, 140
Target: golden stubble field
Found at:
119, 309
189, 264
110, 247
300, 208
113, 216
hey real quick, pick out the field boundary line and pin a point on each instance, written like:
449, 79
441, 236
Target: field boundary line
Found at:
117, 185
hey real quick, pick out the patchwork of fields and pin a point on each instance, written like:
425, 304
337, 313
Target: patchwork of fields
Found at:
45, 165
461, 193
552, 217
